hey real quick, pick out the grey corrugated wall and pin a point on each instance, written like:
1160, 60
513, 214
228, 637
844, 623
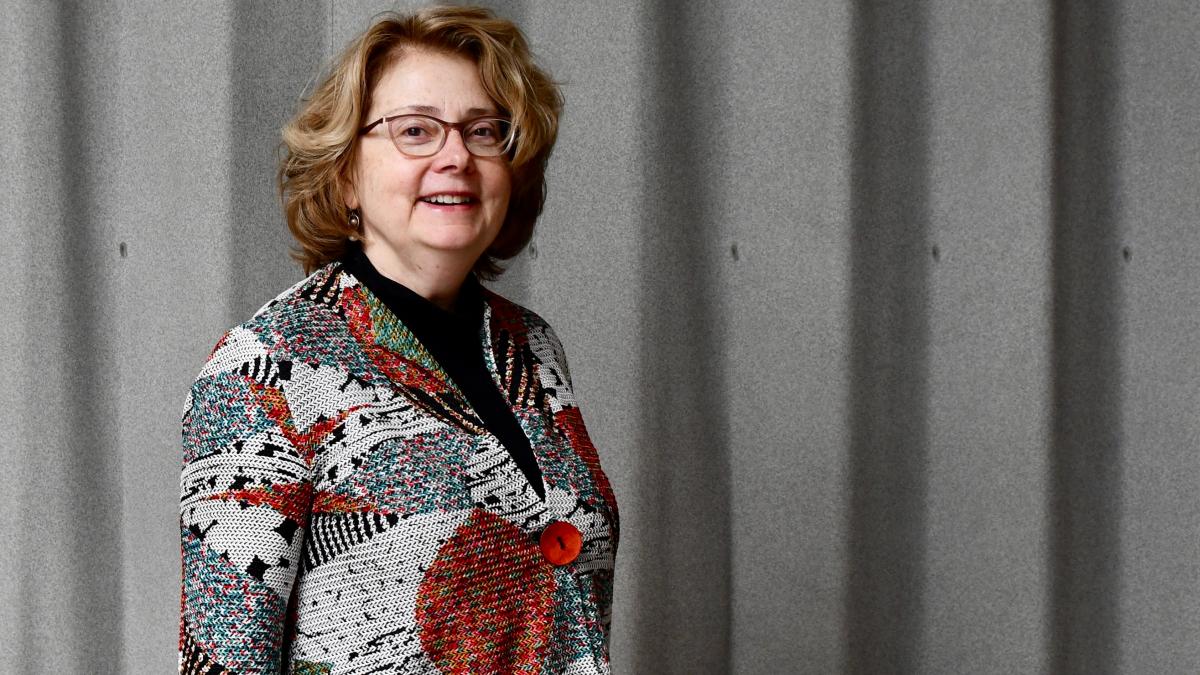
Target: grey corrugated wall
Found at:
883, 314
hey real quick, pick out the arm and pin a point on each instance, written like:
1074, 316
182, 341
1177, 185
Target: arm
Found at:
245, 496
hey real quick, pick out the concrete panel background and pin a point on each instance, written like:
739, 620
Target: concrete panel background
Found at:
986, 598
882, 315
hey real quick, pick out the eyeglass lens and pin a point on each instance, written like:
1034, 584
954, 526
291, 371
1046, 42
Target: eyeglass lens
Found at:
421, 135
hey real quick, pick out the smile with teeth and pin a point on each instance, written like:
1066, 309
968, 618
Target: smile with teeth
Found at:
448, 199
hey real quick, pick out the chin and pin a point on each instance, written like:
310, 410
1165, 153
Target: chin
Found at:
458, 239
455, 247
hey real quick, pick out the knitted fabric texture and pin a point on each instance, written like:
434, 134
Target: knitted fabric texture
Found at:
344, 510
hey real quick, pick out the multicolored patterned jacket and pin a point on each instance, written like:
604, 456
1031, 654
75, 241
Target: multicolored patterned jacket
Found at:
344, 510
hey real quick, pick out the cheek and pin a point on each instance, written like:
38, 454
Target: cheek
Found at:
503, 190
385, 181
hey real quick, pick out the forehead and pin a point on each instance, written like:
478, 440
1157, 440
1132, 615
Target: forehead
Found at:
433, 83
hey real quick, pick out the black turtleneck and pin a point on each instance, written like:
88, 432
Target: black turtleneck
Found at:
453, 340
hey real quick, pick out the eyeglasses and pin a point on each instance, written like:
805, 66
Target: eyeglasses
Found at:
422, 135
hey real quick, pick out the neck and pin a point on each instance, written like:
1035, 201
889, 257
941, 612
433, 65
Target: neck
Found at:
436, 277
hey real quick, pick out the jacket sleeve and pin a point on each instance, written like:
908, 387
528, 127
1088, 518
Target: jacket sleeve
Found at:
245, 495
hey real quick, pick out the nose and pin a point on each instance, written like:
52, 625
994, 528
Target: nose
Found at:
454, 154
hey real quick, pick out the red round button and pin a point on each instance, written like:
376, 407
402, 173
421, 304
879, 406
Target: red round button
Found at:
560, 542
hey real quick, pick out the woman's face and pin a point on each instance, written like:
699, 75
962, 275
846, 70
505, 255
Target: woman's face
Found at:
394, 193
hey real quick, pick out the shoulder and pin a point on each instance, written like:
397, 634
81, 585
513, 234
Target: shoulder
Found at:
511, 316
523, 326
312, 299
255, 358
268, 334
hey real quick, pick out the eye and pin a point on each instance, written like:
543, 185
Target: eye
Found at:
484, 130
414, 129
490, 131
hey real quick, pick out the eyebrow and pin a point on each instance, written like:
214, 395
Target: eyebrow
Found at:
432, 110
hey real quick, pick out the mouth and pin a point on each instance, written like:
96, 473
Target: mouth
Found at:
449, 199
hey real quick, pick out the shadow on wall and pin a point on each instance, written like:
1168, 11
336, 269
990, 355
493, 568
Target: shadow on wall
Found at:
890, 265
1085, 484
277, 50
681, 591
889, 320
71, 496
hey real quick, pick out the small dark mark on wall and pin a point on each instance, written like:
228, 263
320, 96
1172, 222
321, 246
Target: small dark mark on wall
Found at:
733, 251
1126, 254
124, 250
937, 253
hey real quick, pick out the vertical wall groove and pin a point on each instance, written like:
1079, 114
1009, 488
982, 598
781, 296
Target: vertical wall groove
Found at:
92, 457
275, 45
682, 583
73, 510
889, 339
1085, 483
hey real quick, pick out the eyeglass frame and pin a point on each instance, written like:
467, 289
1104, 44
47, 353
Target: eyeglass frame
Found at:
447, 127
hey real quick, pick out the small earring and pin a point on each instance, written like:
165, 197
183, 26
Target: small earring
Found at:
355, 223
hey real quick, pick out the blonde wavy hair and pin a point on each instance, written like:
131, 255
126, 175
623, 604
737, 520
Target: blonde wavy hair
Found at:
320, 141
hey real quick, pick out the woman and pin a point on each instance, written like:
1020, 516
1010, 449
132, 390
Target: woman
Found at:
384, 468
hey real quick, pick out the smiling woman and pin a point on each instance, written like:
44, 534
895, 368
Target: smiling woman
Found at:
384, 468
427, 217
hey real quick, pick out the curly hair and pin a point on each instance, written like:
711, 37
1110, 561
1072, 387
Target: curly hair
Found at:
320, 140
